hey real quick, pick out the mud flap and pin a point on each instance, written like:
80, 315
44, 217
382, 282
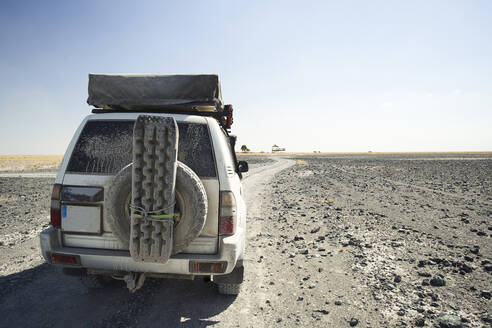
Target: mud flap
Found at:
155, 143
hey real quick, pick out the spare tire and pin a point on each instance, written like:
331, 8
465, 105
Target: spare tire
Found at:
191, 204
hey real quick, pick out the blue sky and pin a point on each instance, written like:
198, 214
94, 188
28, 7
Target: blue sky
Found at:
328, 76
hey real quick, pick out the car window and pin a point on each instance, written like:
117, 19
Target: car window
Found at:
230, 153
105, 147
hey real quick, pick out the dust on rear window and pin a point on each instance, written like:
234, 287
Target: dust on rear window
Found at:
105, 147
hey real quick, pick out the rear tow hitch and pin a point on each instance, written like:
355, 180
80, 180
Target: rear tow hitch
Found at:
134, 281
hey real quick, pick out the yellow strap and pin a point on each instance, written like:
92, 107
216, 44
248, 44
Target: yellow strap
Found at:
162, 216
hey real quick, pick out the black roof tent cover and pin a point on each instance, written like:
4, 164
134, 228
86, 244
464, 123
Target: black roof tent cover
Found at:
137, 91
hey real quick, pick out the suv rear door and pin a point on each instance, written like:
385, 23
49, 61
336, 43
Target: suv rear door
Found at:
103, 148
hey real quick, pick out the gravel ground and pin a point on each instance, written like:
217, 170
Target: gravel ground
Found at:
24, 212
415, 234
255, 160
333, 241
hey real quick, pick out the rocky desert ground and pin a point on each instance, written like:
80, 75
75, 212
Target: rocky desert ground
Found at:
360, 240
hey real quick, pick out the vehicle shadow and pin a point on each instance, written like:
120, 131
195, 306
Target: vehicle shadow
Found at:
44, 297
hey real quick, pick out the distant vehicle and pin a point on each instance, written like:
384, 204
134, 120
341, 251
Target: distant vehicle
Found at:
94, 209
276, 148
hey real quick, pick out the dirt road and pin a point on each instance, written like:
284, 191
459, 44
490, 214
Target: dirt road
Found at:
332, 242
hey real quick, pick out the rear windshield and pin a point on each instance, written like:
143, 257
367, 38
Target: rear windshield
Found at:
105, 147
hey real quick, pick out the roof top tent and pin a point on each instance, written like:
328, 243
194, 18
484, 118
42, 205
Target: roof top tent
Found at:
181, 94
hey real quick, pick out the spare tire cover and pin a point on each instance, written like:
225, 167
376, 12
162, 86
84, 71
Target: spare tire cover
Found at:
191, 199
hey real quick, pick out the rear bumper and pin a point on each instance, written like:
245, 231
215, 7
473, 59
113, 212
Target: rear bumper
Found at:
230, 249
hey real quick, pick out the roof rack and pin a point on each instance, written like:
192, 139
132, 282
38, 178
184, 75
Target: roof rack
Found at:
224, 117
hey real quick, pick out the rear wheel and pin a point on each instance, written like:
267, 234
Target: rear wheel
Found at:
230, 284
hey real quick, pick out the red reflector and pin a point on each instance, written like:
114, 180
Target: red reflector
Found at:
55, 217
65, 259
207, 267
227, 225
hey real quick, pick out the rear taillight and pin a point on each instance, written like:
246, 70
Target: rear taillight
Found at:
55, 210
227, 219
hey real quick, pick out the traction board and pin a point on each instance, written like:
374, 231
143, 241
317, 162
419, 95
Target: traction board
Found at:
155, 144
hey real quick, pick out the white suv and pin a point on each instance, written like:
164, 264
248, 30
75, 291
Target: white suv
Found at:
81, 237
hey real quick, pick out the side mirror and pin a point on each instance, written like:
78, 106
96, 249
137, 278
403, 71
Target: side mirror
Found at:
242, 166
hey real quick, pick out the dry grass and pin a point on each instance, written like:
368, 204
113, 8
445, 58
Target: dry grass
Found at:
29, 162
301, 162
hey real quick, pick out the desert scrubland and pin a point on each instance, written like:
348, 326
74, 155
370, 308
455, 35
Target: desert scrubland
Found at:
19, 163
337, 240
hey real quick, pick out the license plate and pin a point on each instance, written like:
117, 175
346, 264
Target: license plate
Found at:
81, 218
